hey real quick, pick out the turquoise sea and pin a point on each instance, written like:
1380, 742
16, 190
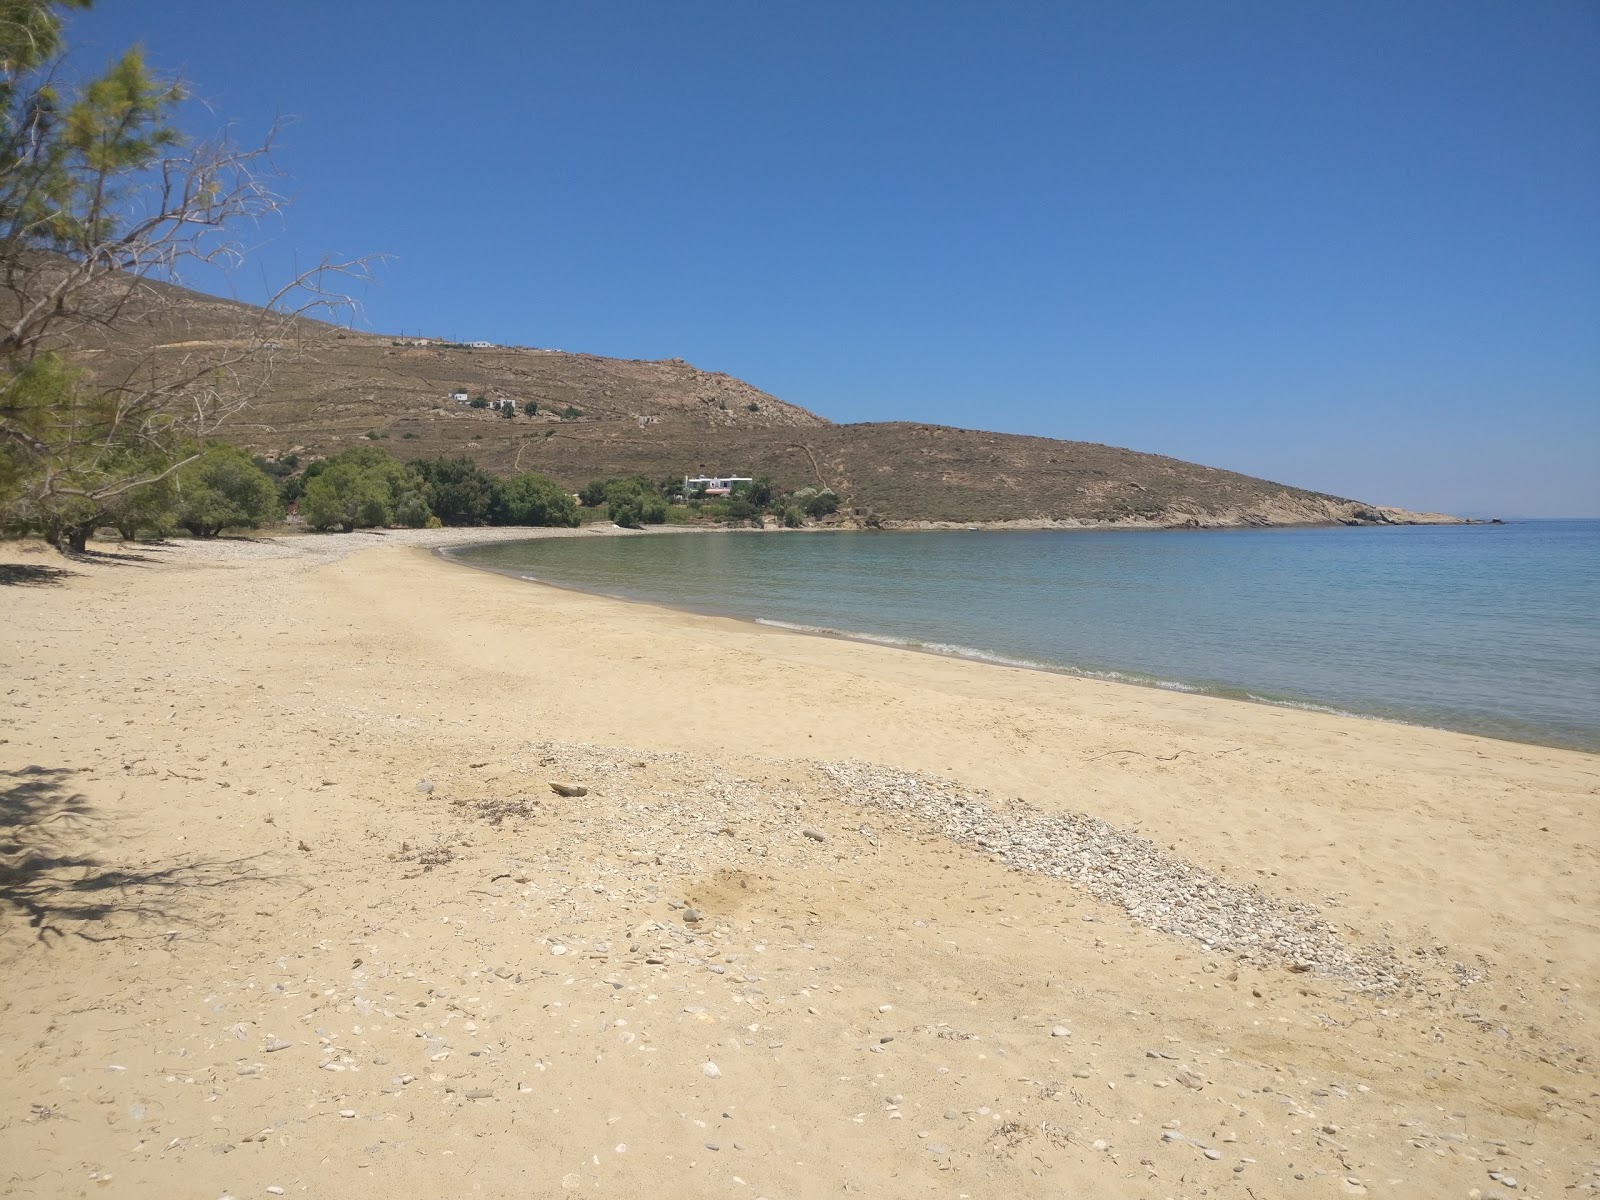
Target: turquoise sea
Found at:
1489, 629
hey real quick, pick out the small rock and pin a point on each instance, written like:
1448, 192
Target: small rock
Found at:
816, 835
691, 916
1060, 1031
347, 1113
710, 1070
1171, 1135
1213, 1155
568, 789
1098, 1144
274, 1190
425, 786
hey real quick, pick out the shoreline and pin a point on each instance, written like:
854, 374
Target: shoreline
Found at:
1238, 693
318, 921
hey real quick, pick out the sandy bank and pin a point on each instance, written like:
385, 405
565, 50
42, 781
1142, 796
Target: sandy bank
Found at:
234, 914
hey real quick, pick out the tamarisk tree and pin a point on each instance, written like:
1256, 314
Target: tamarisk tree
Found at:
103, 203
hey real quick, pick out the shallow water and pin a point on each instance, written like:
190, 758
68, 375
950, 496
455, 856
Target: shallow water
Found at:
1484, 629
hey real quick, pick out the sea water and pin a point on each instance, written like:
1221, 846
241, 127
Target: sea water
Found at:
1488, 629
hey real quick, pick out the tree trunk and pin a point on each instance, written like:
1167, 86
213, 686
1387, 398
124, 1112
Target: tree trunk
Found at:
77, 538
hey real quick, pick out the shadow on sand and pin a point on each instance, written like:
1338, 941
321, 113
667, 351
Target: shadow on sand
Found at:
32, 575
46, 878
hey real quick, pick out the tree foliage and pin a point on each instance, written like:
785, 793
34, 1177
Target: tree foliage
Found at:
100, 195
534, 499
461, 492
223, 489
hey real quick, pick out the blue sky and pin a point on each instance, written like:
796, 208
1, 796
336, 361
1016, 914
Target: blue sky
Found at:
1351, 245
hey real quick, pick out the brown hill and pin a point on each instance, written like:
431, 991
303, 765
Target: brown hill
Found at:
319, 389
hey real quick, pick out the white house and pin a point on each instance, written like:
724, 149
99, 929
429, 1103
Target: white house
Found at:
715, 485
459, 397
481, 345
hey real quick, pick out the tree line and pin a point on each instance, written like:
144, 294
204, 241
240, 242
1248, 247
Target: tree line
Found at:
637, 500
222, 487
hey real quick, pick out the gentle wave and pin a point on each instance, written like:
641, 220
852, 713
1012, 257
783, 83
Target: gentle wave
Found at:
1486, 630
951, 650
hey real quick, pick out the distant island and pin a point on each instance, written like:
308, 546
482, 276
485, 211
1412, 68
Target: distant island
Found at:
581, 417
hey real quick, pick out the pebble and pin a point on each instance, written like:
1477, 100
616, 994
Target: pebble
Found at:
1060, 1031
1158, 889
274, 1190
347, 1112
425, 786
568, 789
710, 1070
1171, 1135
1213, 1155
816, 835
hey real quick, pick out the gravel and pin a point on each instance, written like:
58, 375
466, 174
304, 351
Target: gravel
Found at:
1157, 889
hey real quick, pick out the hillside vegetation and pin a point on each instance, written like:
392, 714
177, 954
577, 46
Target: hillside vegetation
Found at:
580, 417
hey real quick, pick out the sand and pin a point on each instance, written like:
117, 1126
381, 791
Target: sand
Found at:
289, 907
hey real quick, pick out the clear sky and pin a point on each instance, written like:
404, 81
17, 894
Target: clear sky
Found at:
1350, 245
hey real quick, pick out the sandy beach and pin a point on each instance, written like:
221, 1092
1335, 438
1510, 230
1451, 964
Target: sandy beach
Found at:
289, 907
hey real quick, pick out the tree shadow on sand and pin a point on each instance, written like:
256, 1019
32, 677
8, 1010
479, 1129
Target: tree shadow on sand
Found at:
33, 575
60, 890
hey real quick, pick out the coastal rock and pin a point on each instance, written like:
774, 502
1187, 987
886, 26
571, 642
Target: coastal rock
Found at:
568, 789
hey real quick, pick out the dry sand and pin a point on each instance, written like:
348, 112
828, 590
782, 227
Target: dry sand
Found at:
249, 952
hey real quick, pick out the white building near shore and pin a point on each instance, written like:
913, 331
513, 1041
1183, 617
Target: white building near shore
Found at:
715, 485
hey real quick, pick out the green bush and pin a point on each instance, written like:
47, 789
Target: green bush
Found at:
479, 402
346, 497
626, 509
459, 491
822, 504
531, 408
534, 499
223, 489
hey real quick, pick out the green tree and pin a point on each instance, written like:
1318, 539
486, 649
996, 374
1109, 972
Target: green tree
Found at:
531, 408
222, 489
626, 509
637, 500
345, 497
99, 193
535, 499
460, 491
593, 493
822, 504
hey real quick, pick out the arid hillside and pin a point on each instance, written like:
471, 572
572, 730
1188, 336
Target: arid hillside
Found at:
313, 389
